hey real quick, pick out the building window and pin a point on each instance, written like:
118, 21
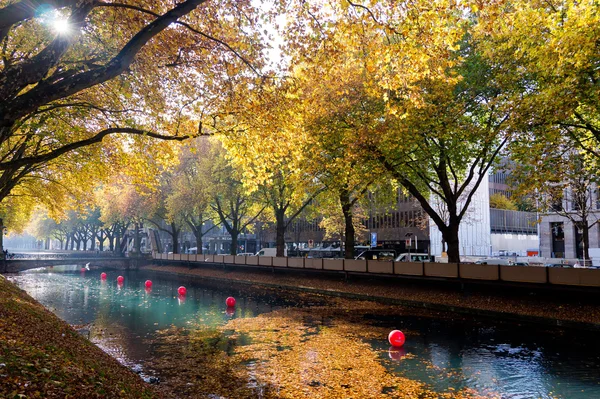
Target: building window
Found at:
558, 239
556, 202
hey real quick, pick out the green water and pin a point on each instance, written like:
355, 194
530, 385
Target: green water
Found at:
515, 361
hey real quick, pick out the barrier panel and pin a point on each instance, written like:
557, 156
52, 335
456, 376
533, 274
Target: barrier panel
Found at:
523, 274
208, 258
313, 263
239, 260
380, 266
265, 260
558, 275
582, 277
408, 268
252, 260
354, 265
333, 264
170, 257
229, 259
440, 269
280, 262
218, 258
296, 262
589, 277
479, 272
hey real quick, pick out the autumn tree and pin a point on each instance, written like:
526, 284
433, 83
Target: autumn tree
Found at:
267, 142
236, 208
499, 201
551, 49
446, 114
193, 191
561, 180
67, 82
338, 108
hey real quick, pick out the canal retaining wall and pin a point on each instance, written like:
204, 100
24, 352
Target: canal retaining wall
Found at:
541, 276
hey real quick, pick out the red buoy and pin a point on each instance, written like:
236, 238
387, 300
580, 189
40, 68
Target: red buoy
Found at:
230, 301
120, 279
396, 338
103, 276
182, 291
148, 284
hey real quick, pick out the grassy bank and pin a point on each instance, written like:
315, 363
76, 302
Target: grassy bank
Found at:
41, 356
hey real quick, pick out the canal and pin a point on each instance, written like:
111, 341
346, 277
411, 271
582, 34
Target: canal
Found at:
291, 345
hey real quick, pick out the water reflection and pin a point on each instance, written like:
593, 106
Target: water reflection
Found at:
506, 360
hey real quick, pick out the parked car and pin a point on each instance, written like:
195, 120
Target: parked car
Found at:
495, 261
269, 252
246, 254
377, 254
558, 265
414, 257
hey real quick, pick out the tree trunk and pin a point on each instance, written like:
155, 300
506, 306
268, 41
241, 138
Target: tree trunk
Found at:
586, 241
93, 239
2, 238
199, 242
450, 235
101, 241
280, 232
349, 232
117, 247
137, 242
234, 241
175, 235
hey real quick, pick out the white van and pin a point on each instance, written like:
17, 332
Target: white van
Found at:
495, 261
414, 257
270, 252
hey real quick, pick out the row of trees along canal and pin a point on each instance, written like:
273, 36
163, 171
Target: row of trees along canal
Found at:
361, 96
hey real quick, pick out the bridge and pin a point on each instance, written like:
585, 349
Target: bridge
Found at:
19, 265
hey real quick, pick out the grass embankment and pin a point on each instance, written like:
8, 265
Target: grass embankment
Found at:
41, 356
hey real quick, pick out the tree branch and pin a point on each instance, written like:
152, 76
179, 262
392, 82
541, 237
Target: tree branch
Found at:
45, 93
82, 143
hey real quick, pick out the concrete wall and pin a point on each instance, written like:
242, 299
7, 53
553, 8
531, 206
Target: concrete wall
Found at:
467, 271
